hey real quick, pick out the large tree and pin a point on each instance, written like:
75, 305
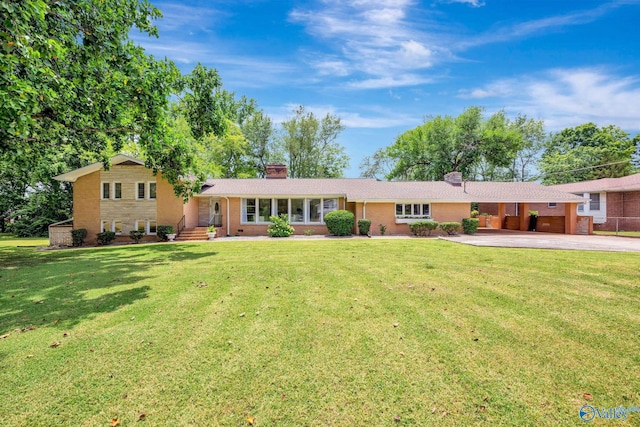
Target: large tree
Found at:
71, 78
310, 147
587, 152
469, 143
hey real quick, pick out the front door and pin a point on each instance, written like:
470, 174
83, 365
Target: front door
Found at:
215, 215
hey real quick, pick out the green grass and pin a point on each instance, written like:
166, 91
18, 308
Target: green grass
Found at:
619, 233
340, 332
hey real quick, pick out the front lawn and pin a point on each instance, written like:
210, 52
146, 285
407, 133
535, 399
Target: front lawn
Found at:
341, 332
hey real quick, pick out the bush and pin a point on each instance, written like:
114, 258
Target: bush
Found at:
162, 231
106, 237
363, 226
340, 223
470, 225
136, 235
308, 232
279, 226
423, 228
474, 213
78, 236
450, 228
382, 228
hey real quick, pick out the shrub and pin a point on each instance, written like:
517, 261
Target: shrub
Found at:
340, 223
450, 228
533, 213
78, 236
382, 228
136, 235
162, 231
106, 237
474, 213
212, 229
363, 226
280, 226
423, 228
308, 232
470, 225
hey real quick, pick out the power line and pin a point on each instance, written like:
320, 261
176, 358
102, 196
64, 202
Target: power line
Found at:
578, 169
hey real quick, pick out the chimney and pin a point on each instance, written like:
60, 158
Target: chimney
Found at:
454, 178
276, 171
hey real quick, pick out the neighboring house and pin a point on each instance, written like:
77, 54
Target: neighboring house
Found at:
128, 196
614, 203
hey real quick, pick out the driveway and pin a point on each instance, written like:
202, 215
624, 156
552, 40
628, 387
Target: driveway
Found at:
525, 239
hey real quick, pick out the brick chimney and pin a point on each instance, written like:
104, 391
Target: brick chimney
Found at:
454, 178
276, 171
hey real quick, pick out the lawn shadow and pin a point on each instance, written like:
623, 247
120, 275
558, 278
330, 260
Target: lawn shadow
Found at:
63, 288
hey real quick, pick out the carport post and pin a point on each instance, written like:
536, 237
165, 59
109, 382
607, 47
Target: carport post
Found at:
502, 212
524, 215
570, 218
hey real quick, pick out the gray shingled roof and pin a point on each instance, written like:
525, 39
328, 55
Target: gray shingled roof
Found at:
371, 190
626, 183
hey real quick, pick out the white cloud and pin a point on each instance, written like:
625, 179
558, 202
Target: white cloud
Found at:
569, 97
472, 3
374, 118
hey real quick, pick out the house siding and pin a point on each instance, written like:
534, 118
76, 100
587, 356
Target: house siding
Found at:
86, 205
625, 206
170, 208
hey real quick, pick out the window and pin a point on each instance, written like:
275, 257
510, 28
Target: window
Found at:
594, 204
147, 227
552, 204
299, 211
581, 208
106, 190
152, 190
140, 190
413, 210
117, 190
115, 226
264, 206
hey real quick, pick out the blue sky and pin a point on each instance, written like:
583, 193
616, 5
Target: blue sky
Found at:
384, 66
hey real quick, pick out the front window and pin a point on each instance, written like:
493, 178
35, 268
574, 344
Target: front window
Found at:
141, 226
594, 204
413, 210
117, 227
105, 226
152, 227
300, 211
140, 191
117, 190
106, 190
152, 190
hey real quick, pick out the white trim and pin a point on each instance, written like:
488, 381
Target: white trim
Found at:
274, 207
137, 190
113, 191
102, 183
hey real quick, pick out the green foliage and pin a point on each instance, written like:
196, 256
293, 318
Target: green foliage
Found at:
363, 226
106, 237
470, 225
423, 228
587, 152
211, 229
308, 232
310, 146
340, 222
533, 213
136, 235
492, 148
279, 226
450, 228
41, 207
474, 213
77, 236
162, 231
382, 228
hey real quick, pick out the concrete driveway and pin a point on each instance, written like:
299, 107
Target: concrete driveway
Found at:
525, 239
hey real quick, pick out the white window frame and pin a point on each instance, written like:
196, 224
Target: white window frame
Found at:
591, 209
146, 223
552, 205
274, 209
407, 217
113, 191
137, 190
102, 184
149, 190
111, 225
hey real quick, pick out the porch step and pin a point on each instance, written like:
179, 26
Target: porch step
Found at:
190, 234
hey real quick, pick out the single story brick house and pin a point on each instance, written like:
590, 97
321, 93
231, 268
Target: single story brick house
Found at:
128, 197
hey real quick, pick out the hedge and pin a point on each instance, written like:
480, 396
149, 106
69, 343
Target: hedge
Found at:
340, 223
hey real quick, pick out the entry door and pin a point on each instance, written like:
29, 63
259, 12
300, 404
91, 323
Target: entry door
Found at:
215, 216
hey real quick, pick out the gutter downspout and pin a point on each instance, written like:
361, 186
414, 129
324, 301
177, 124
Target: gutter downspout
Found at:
227, 199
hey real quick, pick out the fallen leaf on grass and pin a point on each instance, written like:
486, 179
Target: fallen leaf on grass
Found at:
142, 417
396, 419
65, 335
251, 420
40, 302
242, 314
4, 336
395, 325
55, 344
28, 328
114, 422
587, 396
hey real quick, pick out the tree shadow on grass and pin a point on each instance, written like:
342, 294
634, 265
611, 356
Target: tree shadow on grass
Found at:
63, 288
